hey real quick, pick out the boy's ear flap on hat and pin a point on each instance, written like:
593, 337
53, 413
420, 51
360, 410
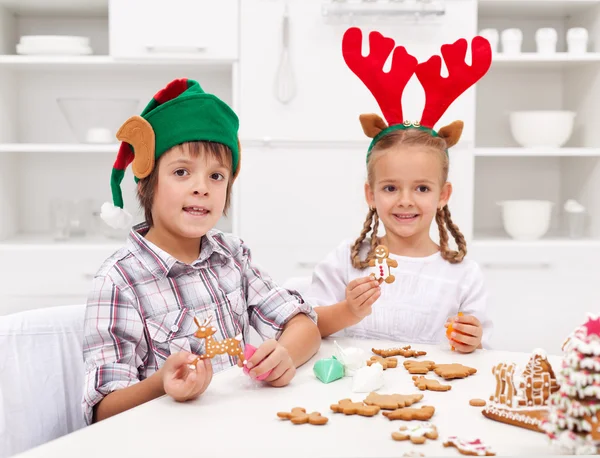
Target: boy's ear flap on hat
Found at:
239, 164
451, 133
372, 124
139, 133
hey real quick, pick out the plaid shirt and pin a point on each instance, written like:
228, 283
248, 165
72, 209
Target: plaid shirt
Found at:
143, 302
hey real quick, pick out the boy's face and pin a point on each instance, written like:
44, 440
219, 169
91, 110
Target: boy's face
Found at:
190, 194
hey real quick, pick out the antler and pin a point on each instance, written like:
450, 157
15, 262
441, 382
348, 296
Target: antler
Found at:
386, 87
440, 91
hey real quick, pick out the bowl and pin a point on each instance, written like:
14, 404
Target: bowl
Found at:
526, 219
96, 120
542, 129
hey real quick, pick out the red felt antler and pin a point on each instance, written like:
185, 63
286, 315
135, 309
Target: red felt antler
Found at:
440, 91
387, 88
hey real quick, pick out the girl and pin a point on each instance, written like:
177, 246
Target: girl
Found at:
407, 173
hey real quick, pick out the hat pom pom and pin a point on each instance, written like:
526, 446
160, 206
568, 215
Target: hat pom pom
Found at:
115, 217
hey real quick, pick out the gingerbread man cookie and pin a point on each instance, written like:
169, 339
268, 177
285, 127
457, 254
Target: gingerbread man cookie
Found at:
386, 363
347, 407
231, 346
418, 367
392, 401
406, 351
423, 384
298, 416
382, 265
411, 413
455, 370
417, 434
473, 447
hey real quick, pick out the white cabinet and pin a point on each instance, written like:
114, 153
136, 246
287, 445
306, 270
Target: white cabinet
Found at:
329, 96
201, 29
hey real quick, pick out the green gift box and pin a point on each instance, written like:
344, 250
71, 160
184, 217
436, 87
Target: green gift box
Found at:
328, 370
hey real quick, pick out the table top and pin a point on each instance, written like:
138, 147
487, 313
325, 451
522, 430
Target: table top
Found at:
238, 417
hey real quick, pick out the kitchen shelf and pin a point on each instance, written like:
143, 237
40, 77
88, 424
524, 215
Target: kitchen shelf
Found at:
69, 148
535, 8
499, 239
95, 63
535, 60
56, 7
46, 242
537, 152
383, 9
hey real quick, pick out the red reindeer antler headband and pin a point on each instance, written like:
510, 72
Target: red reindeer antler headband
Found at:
387, 88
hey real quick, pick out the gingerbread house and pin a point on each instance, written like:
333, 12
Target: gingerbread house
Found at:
521, 399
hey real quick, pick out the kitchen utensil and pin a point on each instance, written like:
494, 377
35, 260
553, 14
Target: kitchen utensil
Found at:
577, 40
285, 85
546, 39
576, 218
512, 39
526, 219
60, 219
533, 129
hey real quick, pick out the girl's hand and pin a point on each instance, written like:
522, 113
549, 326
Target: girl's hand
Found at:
361, 294
271, 355
467, 333
182, 381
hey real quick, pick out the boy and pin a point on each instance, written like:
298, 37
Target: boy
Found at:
176, 270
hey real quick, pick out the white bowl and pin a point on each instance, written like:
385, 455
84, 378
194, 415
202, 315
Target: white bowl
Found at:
545, 129
526, 219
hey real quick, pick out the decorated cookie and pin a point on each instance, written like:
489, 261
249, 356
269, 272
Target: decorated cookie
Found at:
418, 367
423, 384
231, 346
451, 371
469, 447
477, 402
413, 453
411, 413
416, 433
347, 407
406, 352
381, 265
392, 401
386, 363
298, 416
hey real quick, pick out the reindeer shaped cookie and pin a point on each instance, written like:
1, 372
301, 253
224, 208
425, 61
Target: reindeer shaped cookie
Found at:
231, 346
382, 264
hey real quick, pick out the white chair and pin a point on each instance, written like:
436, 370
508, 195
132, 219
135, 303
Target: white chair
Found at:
41, 376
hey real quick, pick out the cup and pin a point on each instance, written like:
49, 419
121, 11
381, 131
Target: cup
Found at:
577, 40
60, 219
546, 40
512, 40
493, 36
576, 222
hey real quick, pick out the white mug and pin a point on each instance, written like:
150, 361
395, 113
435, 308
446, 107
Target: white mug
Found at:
493, 36
577, 40
512, 39
546, 39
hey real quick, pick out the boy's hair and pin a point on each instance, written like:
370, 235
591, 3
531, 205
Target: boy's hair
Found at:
410, 137
147, 186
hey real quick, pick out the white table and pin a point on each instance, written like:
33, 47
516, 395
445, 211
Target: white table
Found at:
236, 417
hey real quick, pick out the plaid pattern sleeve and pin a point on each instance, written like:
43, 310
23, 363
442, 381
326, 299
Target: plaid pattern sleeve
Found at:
114, 345
270, 306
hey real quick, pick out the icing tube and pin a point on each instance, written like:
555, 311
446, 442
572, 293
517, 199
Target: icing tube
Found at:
249, 350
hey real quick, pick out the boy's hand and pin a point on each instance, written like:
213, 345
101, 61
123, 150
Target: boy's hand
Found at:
467, 333
184, 382
272, 355
361, 294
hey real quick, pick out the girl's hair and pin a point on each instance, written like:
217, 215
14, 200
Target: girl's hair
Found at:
410, 137
147, 188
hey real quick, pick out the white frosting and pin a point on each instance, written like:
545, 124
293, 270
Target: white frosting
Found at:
517, 414
419, 430
351, 358
573, 407
368, 378
474, 446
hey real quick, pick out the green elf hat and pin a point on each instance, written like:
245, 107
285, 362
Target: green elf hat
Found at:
181, 112
387, 87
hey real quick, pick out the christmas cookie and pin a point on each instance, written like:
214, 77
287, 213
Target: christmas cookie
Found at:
347, 407
418, 367
382, 264
423, 384
417, 434
386, 363
469, 447
452, 371
477, 402
298, 416
406, 352
392, 401
411, 413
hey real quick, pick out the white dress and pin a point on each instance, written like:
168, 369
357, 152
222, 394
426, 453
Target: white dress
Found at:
415, 307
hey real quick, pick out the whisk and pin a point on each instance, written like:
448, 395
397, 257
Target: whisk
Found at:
285, 86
